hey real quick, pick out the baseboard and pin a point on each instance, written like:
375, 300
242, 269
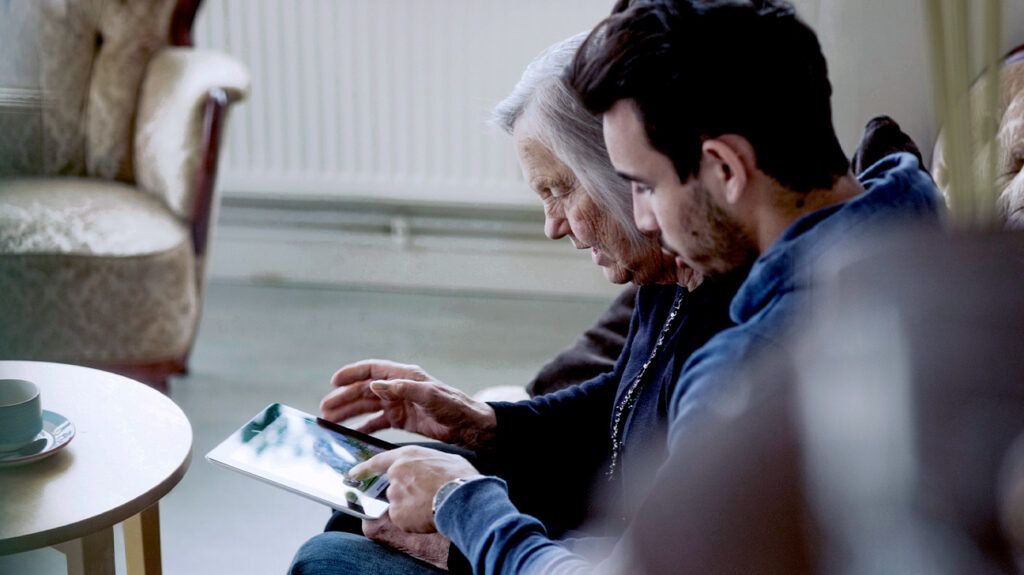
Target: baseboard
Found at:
21, 98
460, 249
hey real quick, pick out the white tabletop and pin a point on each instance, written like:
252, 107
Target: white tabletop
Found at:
132, 446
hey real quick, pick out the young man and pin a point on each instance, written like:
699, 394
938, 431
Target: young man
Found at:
719, 113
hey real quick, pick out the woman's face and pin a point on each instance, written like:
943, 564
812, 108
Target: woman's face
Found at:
569, 210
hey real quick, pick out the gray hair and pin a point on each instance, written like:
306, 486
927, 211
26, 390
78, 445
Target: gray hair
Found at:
569, 130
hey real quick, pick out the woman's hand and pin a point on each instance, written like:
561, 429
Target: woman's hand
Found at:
430, 547
410, 399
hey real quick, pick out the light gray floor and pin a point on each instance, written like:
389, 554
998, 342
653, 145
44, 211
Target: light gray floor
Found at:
258, 345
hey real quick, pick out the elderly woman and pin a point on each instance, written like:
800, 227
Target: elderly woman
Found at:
551, 450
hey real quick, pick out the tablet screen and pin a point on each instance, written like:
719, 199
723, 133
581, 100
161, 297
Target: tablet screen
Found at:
307, 455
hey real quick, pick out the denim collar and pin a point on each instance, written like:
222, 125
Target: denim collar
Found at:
896, 188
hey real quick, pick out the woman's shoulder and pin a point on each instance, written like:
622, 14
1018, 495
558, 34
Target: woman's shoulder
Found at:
652, 297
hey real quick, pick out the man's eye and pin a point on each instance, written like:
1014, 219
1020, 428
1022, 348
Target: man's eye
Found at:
642, 188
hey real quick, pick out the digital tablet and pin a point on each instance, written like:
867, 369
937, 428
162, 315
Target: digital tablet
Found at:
308, 456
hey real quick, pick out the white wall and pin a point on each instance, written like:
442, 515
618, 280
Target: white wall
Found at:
381, 99
877, 51
365, 113
384, 102
387, 99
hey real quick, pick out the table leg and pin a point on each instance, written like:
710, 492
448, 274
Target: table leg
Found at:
90, 555
142, 542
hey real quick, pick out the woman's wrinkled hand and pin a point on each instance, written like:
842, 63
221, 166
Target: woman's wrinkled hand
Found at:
408, 398
429, 547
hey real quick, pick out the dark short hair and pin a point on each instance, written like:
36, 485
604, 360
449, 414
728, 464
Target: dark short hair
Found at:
699, 69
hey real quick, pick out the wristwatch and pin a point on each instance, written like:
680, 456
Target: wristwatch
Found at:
446, 490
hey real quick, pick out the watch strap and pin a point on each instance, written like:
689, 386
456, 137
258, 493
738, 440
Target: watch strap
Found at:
445, 491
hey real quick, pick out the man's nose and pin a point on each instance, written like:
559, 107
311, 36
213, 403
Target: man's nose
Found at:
643, 215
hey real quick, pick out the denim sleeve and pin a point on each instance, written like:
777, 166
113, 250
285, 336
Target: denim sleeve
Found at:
717, 378
496, 538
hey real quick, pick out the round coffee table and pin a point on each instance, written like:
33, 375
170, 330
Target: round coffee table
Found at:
131, 448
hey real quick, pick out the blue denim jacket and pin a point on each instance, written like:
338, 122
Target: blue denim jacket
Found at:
896, 190
496, 538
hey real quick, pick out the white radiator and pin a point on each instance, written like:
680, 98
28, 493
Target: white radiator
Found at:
381, 99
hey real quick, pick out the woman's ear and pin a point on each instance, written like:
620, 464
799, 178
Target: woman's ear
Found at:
730, 161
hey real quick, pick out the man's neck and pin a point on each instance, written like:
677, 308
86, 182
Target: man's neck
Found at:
781, 214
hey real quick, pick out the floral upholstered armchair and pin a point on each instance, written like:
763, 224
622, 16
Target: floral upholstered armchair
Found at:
108, 157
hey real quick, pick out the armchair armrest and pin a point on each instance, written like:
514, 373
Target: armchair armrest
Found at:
181, 106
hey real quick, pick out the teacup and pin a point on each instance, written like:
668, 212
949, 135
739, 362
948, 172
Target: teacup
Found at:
21, 413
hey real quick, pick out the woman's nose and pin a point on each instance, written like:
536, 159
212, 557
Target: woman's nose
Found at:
556, 226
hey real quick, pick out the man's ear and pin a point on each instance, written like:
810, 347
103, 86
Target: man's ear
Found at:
730, 160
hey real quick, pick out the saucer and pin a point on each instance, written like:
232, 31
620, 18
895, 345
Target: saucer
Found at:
56, 434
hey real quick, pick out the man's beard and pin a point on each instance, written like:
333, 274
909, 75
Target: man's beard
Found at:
729, 246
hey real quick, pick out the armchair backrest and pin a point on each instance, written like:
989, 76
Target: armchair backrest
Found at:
93, 57
70, 85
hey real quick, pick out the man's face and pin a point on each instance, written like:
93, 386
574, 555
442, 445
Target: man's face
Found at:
692, 224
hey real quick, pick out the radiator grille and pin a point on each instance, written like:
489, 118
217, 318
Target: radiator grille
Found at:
381, 99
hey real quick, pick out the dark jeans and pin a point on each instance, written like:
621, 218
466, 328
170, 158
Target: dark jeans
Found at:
336, 553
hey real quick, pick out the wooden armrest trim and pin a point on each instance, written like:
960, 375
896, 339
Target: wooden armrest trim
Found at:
182, 19
214, 112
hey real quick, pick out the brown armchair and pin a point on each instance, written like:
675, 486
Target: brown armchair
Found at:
107, 187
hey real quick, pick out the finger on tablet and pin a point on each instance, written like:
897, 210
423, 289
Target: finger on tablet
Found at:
376, 465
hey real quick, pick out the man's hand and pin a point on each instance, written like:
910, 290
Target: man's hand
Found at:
430, 547
415, 474
409, 399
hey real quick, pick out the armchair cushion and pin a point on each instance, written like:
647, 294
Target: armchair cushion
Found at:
88, 217
168, 136
92, 271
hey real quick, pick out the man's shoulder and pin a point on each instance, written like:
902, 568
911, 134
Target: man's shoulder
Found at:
717, 356
899, 183
713, 366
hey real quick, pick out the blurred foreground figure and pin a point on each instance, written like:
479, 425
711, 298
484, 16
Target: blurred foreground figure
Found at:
889, 445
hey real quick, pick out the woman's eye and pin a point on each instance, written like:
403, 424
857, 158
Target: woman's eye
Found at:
567, 187
553, 190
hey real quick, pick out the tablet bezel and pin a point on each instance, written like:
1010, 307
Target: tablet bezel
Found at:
372, 506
